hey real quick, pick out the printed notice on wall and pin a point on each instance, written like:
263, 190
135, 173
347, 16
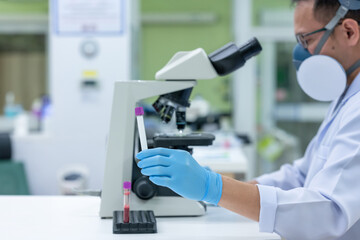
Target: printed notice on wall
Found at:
89, 16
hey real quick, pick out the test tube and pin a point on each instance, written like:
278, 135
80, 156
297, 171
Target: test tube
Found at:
139, 112
127, 190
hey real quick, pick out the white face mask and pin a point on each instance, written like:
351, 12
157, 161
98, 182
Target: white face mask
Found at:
322, 78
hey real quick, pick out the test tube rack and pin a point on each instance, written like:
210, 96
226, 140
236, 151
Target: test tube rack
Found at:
139, 222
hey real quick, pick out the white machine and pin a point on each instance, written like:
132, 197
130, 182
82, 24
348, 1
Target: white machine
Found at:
92, 44
174, 96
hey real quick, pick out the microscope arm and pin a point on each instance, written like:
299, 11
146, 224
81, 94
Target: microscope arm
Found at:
197, 64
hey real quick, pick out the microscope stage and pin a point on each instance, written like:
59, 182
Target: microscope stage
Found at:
175, 140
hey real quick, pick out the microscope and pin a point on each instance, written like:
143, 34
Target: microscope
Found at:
174, 84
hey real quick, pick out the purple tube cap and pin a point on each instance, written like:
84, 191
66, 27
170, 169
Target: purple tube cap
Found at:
139, 111
127, 185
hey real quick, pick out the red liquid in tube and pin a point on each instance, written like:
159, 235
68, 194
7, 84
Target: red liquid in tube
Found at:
126, 213
127, 190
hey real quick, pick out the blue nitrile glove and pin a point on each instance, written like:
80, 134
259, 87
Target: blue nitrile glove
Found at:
179, 171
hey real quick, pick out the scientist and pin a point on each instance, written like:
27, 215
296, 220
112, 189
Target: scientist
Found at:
318, 196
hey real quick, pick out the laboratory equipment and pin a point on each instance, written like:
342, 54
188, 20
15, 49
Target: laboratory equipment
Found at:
73, 179
127, 190
180, 73
83, 65
140, 222
11, 110
197, 65
139, 112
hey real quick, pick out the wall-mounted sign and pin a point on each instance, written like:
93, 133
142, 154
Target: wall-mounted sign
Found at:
83, 17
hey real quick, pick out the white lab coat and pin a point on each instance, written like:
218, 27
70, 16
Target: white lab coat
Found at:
318, 197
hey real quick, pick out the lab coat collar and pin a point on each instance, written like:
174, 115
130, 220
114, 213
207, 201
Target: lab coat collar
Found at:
351, 91
353, 88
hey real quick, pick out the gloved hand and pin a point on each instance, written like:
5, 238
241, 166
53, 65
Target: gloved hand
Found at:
179, 171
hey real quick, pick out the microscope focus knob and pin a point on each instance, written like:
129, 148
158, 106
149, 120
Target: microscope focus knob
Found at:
144, 188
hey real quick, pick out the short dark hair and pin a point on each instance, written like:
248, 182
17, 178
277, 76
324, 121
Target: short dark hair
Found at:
325, 10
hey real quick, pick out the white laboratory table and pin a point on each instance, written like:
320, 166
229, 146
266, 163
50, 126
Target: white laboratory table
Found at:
43, 217
224, 160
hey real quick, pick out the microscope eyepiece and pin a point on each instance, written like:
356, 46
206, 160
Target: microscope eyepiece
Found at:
230, 58
250, 49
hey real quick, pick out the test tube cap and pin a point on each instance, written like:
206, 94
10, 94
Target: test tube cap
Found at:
127, 185
139, 111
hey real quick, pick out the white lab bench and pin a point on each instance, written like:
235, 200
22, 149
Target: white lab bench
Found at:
226, 155
223, 160
57, 217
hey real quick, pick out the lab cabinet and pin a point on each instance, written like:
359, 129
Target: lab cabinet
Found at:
23, 67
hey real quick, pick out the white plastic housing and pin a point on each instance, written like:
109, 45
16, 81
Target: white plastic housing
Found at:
188, 65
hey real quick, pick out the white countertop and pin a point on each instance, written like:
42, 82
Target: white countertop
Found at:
220, 159
43, 217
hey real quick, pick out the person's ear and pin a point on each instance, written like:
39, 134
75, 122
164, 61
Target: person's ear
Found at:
351, 31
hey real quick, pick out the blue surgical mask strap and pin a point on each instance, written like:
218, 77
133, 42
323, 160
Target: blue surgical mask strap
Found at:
341, 12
